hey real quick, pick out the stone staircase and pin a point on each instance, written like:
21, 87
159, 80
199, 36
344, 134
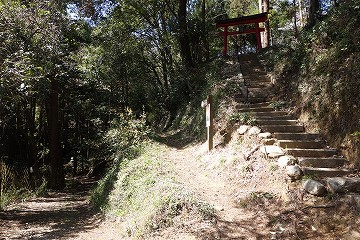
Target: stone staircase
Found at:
312, 155
256, 86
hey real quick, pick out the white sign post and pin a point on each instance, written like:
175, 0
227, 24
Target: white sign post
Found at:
208, 104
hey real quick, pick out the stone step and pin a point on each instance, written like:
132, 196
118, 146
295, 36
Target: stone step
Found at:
322, 162
283, 128
258, 84
270, 114
325, 172
301, 144
256, 109
266, 84
259, 92
251, 100
277, 122
263, 94
253, 105
258, 89
264, 118
323, 153
250, 77
296, 136
255, 75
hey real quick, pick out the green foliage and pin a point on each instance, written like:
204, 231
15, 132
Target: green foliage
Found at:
257, 195
42, 190
278, 105
14, 185
121, 143
100, 194
145, 194
255, 198
281, 18
242, 118
36, 47
355, 134
126, 132
241, 8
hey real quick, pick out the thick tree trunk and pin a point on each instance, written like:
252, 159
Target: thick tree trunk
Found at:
56, 168
183, 35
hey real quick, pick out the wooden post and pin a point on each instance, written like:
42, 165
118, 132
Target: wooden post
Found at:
225, 40
208, 105
258, 36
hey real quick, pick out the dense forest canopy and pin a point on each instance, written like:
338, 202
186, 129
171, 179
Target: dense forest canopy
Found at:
71, 70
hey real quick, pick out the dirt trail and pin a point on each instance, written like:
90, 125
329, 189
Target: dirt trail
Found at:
60, 215
68, 214
233, 222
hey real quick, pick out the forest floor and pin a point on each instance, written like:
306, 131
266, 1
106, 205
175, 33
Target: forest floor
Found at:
57, 215
245, 207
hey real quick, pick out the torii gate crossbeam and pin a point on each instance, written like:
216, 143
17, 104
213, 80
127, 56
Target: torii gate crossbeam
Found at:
252, 19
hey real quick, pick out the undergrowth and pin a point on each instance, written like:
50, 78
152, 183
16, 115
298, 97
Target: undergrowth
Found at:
219, 81
123, 142
147, 197
14, 185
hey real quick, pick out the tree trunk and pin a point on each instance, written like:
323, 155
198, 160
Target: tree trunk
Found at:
33, 162
313, 10
295, 21
265, 36
183, 35
301, 15
205, 32
56, 168
260, 6
267, 25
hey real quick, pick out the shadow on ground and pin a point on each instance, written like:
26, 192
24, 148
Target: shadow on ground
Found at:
60, 215
179, 139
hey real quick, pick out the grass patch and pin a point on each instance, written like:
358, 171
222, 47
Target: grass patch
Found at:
278, 105
147, 198
242, 118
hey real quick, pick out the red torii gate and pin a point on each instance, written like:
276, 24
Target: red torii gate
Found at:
252, 19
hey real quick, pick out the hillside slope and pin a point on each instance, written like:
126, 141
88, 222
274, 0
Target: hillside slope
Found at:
319, 74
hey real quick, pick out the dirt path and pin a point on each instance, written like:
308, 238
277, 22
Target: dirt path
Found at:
68, 214
60, 215
233, 222
242, 214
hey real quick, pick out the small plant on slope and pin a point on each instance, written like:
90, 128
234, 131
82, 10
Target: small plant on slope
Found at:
242, 118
